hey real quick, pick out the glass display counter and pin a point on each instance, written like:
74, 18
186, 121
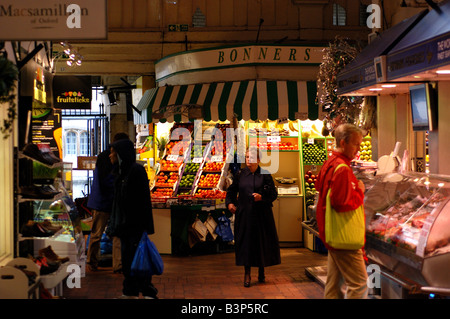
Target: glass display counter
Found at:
408, 228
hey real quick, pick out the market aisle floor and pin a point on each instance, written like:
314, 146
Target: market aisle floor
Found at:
214, 276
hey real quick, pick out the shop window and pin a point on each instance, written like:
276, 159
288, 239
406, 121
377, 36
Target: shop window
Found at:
84, 144
339, 15
71, 143
363, 15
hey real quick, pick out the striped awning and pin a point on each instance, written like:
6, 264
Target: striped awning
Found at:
249, 100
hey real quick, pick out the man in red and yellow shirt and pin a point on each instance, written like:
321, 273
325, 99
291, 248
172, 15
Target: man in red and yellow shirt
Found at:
347, 194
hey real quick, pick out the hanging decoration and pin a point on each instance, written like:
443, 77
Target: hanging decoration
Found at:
339, 109
8, 77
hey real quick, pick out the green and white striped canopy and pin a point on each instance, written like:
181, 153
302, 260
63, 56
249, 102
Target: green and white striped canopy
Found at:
249, 100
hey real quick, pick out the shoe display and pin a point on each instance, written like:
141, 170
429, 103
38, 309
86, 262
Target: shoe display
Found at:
46, 224
50, 255
47, 154
36, 192
33, 229
33, 151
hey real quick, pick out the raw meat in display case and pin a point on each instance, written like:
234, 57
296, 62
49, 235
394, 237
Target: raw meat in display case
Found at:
408, 226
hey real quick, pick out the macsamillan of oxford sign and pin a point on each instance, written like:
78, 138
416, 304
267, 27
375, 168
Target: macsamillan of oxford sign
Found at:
52, 20
246, 55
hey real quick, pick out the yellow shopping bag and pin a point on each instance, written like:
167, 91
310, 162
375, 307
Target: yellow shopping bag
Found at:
344, 230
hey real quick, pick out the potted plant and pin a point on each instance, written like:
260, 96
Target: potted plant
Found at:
8, 77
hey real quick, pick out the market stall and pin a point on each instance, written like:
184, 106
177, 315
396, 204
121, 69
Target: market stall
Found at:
211, 93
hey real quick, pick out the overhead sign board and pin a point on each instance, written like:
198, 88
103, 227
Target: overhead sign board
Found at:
52, 20
235, 56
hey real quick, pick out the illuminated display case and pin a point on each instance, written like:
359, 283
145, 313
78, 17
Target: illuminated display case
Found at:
407, 227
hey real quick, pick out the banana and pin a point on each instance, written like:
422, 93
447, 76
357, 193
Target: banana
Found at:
292, 127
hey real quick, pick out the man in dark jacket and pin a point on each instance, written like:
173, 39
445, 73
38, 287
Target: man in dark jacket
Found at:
131, 214
100, 201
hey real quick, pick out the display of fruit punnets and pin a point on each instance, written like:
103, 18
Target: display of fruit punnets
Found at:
365, 151
282, 146
177, 147
310, 188
197, 151
162, 192
210, 193
171, 166
191, 167
187, 180
213, 167
314, 153
209, 180
166, 179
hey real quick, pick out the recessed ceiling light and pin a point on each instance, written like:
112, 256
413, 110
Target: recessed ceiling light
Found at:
377, 89
389, 85
417, 77
443, 71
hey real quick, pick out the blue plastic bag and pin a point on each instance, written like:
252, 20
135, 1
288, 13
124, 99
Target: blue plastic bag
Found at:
147, 260
223, 228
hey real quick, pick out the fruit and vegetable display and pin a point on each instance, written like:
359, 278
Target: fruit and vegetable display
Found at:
310, 189
312, 128
187, 180
166, 179
213, 166
169, 166
192, 167
281, 146
209, 180
197, 152
314, 153
162, 192
177, 147
271, 128
210, 193
365, 151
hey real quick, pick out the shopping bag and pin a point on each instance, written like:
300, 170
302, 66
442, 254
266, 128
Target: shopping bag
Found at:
211, 226
344, 230
147, 260
223, 228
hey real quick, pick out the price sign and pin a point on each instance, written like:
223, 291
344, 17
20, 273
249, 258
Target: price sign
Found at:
310, 141
197, 160
172, 158
273, 139
216, 158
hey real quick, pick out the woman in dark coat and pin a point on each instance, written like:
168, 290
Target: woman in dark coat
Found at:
250, 198
131, 214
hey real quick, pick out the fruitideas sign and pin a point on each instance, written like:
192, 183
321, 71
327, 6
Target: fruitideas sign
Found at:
52, 19
72, 92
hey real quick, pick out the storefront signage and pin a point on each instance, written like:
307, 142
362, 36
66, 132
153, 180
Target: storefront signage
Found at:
429, 55
72, 92
53, 20
43, 128
250, 55
357, 78
39, 91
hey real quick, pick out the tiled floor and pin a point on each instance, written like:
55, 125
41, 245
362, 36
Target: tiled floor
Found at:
214, 276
